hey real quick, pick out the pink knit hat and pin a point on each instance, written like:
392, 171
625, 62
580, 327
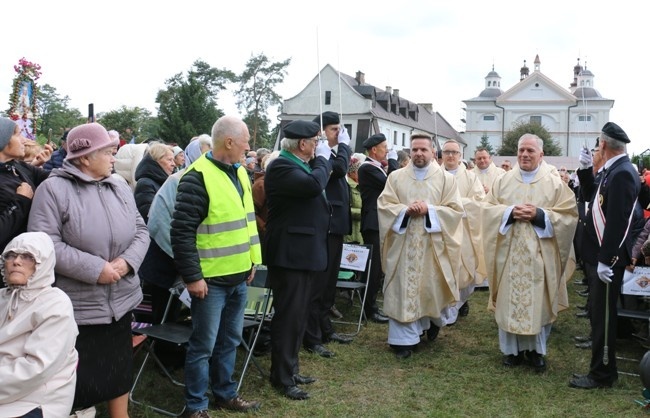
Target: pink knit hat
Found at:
87, 138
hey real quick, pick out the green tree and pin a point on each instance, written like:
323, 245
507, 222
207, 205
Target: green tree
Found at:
134, 118
485, 144
54, 112
256, 93
509, 145
188, 105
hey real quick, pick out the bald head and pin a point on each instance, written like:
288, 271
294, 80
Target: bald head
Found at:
229, 139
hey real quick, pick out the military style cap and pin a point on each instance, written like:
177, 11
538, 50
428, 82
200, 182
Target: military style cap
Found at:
376, 139
329, 118
614, 131
301, 129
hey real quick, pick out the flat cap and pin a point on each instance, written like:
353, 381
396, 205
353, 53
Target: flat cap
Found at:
614, 131
376, 139
329, 118
301, 129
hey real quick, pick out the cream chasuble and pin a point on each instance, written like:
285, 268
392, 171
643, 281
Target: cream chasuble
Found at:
525, 272
421, 267
491, 173
473, 263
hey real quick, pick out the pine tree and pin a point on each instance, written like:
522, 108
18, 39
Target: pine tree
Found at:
485, 144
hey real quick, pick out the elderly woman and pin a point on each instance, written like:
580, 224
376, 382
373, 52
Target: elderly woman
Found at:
100, 240
18, 180
156, 165
37, 333
179, 158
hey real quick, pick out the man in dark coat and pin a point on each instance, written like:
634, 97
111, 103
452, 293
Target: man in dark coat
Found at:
372, 179
608, 221
319, 326
295, 244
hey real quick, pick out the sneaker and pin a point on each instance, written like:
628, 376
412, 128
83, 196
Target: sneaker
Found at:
237, 404
197, 414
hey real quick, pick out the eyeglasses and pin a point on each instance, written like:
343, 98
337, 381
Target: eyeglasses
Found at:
451, 152
505, 165
11, 256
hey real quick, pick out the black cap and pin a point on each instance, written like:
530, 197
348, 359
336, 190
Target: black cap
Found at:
301, 129
329, 118
614, 131
376, 139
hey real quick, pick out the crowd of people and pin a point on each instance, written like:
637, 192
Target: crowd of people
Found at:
86, 229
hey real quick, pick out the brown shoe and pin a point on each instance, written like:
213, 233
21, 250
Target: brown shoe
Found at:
238, 404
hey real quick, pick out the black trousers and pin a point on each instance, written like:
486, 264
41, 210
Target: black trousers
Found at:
599, 371
323, 292
291, 291
374, 279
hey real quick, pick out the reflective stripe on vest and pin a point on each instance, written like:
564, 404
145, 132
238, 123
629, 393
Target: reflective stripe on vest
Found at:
226, 240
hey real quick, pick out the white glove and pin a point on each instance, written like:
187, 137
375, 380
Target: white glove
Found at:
392, 155
344, 138
585, 159
605, 273
323, 150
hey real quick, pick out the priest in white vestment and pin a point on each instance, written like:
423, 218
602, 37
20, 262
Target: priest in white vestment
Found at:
529, 220
485, 169
472, 269
420, 213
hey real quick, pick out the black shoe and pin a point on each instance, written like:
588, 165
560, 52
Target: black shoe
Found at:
432, 332
578, 375
581, 338
293, 392
586, 382
464, 310
321, 350
582, 282
585, 345
582, 307
512, 360
378, 318
583, 293
341, 339
536, 360
403, 353
582, 314
303, 380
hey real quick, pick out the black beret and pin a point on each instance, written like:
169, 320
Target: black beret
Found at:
329, 118
301, 129
376, 139
614, 131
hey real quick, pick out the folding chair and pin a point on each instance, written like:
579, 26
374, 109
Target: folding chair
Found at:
173, 332
257, 313
356, 262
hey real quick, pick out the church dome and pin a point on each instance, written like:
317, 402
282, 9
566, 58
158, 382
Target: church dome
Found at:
491, 92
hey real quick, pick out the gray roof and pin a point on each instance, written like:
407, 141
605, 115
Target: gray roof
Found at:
586, 93
491, 92
492, 74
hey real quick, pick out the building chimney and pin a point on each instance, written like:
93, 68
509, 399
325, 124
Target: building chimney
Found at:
427, 106
389, 90
396, 92
361, 77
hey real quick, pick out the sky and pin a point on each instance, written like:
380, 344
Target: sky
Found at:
122, 52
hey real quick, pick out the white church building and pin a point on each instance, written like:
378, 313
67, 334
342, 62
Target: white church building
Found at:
572, 116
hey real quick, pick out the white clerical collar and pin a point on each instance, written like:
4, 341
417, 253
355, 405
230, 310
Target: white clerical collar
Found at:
420, 173
485, 170
613, 160
454, 171
528, 176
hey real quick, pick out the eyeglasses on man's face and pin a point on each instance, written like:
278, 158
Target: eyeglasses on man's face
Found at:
11, 256
450, 152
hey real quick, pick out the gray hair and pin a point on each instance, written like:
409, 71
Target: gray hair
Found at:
289, 144
612, 143
538, 140
204, 139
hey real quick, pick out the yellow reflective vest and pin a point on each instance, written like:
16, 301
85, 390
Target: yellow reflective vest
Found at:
227, 239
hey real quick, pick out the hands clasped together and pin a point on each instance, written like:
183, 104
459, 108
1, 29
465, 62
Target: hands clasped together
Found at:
525, 212
417, 208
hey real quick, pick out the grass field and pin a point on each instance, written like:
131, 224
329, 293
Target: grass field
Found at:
458, 375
